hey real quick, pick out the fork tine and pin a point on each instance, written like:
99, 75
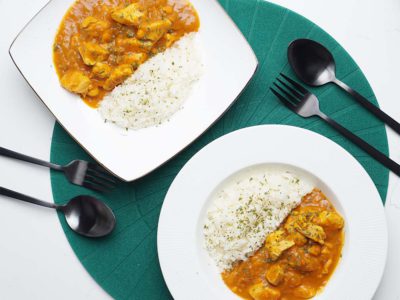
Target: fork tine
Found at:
98, 181
289, 97
97, 167
101, 175
292, 90
286, 102
100, 169
93, 186
295, 84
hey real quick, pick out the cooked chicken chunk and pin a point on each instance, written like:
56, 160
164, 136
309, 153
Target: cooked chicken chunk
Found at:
135, 44
93, 92
101, 70
92, 53
170, 38
304, 292
302, 261
153, 31
93, 26
276, 245
130, 15
314, 250
118, 75
329, 219
261, 292
134, 59
275, 274
313, 232
76, 82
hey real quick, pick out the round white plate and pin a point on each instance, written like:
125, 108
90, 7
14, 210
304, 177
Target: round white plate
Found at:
186, 266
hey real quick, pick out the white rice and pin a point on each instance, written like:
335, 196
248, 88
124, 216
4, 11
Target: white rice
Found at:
157, 89
248, 208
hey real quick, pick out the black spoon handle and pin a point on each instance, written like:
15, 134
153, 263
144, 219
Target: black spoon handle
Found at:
368, 105
379, 156
19, 196
32, 160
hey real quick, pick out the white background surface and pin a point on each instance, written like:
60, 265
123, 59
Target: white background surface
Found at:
36, 261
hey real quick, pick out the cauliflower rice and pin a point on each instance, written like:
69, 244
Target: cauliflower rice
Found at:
248, 208
157, 89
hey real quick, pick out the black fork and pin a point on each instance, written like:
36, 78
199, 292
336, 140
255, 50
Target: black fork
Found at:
304, 103
79, 172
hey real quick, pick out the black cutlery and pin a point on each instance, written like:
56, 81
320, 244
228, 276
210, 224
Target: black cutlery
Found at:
78, 172
315, 66
85, 215
302, 102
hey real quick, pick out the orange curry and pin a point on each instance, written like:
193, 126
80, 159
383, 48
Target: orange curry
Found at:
102, 42
296, 260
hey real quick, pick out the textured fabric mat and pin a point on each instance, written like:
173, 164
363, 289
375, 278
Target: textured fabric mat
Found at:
125, 264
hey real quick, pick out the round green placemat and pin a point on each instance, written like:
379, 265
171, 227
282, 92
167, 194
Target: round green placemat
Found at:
125, 264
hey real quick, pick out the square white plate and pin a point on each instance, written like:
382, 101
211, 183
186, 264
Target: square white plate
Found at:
229, 64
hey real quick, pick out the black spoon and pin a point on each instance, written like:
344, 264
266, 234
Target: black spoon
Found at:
85, 215
315, 66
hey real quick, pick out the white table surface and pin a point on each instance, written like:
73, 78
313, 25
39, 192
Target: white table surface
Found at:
36, 261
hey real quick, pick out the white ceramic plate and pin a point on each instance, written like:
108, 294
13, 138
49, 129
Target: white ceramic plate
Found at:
186, 266
229, 65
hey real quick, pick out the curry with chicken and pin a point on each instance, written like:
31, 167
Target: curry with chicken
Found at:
100, 43
296, 260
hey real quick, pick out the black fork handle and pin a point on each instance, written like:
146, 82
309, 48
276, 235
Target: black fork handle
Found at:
23, 157
22, 197
379, 156
368, 105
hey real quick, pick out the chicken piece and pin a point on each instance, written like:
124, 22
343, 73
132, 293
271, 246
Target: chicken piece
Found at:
135, 44
93, 92
314, 250
153, 31
107, 36
101, 70
313, 232
305, 292
118, 75
275, 250
92, 53
299, 260
275, 274
329, 219
76, 82
275, 236
276, 244
261, 292
130, 15
170, 38
94, 27
298, 238
168, 10
293, 279
292, 220
134, 59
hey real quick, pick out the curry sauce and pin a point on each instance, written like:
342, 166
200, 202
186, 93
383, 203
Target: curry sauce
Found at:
100, 43
296, 260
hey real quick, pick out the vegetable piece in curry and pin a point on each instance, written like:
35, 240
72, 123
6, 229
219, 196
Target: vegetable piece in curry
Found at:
100, 43
296, 260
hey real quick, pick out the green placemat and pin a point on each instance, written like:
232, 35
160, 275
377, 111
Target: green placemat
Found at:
125, 264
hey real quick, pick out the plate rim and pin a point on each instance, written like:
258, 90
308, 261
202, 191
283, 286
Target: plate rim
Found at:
187, 143
382, 217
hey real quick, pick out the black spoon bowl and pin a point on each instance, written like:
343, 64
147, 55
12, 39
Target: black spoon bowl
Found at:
88, 216
312, 62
